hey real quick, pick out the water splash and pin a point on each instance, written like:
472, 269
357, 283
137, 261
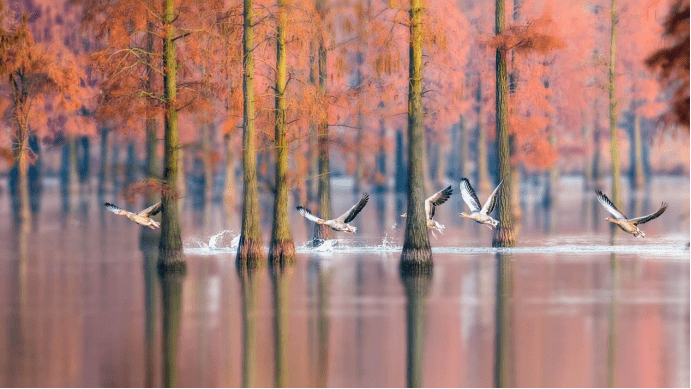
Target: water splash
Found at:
226, 241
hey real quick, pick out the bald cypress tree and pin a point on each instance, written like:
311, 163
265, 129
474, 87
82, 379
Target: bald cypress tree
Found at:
504, 235
417, 255
613, 145
250, 249
321, 231
282, 248
170, 246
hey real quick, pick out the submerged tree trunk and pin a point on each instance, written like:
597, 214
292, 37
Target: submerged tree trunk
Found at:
322, 232
614, 144
250, 249
504, 234
282, 248
482, 169
416, 257
170, 246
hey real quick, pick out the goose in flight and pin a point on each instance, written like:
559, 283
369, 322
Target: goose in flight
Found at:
628, 225
341, 222
143, 218
480, 215
431, 203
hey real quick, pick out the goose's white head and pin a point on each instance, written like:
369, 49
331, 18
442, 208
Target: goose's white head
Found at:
435, 225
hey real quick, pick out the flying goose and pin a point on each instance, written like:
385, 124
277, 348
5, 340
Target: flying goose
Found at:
340, 223
430, 205
480, 215
628, 225
143, 217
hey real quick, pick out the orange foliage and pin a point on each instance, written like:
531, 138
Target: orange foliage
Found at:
671, 63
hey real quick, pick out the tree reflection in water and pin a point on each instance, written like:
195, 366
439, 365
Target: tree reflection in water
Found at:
504, 373
416, 289
319, 281
248, 284
171, 295
148, 244
612, 322
280, 282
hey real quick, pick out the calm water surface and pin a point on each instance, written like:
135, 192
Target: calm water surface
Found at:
82, 305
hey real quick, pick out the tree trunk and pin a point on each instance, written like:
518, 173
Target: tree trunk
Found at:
24, 214
416, 257
637, 160
322, 232
152, 165
115, 163
401, 170
382, 183
552, 172
131, 173
229, 189
313, 182
614, 145
282, 248
588, 168
462, 149
504, 234
170, 246
208, 163
250, 249
359, 160
597, 156
73, 166
482, 169
104, 168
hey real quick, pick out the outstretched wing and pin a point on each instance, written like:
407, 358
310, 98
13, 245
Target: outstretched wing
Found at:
115, 209
437, 199
354, 210
492, 200
643, 219
152, 210
609, 206
469, 195
308, 215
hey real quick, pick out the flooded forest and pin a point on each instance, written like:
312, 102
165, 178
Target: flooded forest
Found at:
317, 193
